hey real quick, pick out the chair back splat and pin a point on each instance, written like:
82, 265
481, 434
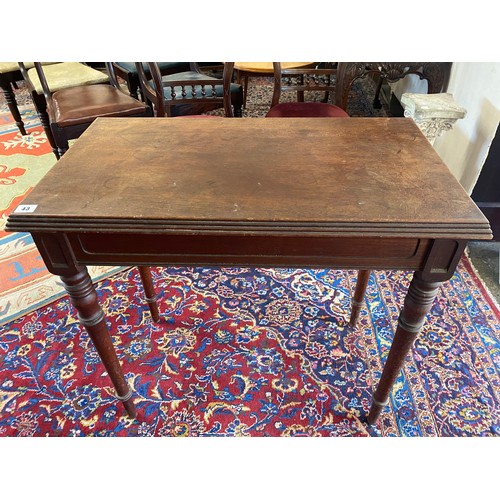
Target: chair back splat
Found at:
189, 92
302, 80
128, 72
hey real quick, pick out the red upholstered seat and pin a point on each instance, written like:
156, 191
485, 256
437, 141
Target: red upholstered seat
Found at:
307, 83
306, 110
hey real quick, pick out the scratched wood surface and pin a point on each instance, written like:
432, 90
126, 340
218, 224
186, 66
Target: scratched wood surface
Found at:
357, 172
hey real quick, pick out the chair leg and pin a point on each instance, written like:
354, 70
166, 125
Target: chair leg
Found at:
237, 102
133, 88
377, 104
238, 111
149, 292
41, 109
61, 151
60, 139
10, 99
245, 90
359, 294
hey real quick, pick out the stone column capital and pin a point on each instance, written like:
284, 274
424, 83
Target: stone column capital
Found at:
433, 113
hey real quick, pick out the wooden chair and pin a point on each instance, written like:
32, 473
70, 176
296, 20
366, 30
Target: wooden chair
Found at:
318, 81
60, 76
301, 80
190, 92
247, 70
71, 110
128, 72
10, 74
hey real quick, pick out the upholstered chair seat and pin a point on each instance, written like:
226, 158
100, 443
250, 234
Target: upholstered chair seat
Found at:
83, 104
165, 67
8, 67
306, 110
65, 75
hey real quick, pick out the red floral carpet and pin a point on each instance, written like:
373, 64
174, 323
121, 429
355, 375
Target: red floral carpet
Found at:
255, 352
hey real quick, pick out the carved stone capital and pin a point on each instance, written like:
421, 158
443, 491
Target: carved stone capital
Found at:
433, 113
433, 127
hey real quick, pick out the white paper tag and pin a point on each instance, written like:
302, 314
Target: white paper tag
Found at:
25, 208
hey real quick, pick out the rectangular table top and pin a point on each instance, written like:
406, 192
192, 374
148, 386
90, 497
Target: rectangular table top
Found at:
294, 174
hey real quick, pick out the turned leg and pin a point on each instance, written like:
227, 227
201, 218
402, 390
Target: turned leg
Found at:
41, 109
10, 99
359, 295
84, 297
149, 292
376, 100
417, 304
62, 142
44, 120
133, 89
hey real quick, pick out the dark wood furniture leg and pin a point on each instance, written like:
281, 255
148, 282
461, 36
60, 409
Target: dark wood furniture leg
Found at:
377, 104
84, 297
245, 90
359, 295
417, 304
10, 99
41, 109
149, 292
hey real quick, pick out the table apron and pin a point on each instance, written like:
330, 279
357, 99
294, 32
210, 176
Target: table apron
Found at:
249, 250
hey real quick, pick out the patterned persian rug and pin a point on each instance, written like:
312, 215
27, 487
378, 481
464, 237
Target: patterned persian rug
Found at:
255, 352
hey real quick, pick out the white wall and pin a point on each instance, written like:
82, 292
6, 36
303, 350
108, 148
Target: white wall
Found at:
476, 87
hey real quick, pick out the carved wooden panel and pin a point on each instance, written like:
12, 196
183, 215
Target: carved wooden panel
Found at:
435, 73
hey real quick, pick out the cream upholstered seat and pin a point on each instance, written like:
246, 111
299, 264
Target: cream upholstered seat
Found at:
66, 75
8, 67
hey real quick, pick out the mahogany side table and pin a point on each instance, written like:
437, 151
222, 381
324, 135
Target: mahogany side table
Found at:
362, 193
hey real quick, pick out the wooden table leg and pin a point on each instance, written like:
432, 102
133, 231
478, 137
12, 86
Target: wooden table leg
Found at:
84, 297
149, 292
359, 295
417, 304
